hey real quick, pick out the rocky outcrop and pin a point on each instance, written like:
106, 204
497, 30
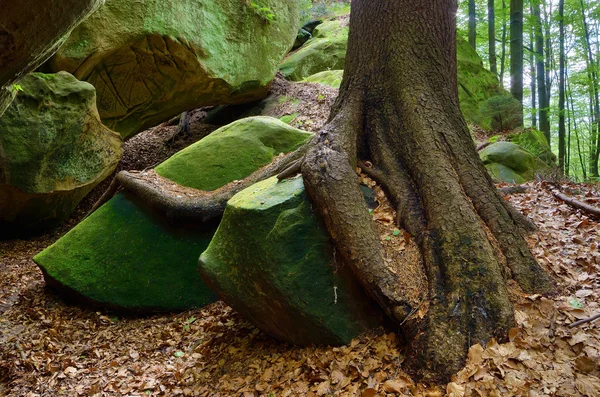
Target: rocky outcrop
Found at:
151, 60
272, 260
331, 78
509, 162
31, 32
124, 256
53, 151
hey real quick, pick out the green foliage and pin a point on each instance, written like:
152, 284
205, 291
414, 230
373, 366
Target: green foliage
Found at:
16, 88
503, 110
263, 12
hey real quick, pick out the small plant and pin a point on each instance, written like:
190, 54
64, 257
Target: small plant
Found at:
264, 12
16, 88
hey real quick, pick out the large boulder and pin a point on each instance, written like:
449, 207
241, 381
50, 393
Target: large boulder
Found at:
509, 162
534, 141
30, 33
150, 60
330, 78
272, 260
326, 50
125, 256
53, 151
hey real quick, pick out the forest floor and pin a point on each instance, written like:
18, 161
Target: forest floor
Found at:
49, 348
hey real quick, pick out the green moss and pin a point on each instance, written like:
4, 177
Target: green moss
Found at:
534, 141
151, 60
325, 51
116, 257
288, 118
272, 260
330, 78
513, 157
247, 144
125, 256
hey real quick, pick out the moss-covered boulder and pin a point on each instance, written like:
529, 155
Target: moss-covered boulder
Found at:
482, 100
30, 33
509, 162
271, 259
153, 59
330, 78
535, 142
124, 256
326, 50
53, 151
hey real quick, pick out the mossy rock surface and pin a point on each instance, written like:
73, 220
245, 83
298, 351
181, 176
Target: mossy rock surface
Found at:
271, 260
330, 78
505, 161
126, 257
153, 59
31, 32
534, 141
232, 152
326, 50
53, 151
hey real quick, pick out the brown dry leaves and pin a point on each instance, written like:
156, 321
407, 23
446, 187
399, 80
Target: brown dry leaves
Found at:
48, 348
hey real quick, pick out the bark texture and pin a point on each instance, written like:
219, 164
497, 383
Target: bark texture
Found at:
398, 109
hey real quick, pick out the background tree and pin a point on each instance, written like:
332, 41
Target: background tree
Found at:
516, 49
472, 25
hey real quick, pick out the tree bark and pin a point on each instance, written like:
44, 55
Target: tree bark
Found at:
561, 89
492, 36
541, 72
472, 25
516, 49
398, 109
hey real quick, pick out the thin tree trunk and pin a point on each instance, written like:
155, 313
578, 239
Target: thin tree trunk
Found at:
594, 99
516, 49
503, 52
492, 37
582, 161
472, 25
532, 65
562, 165
540, 72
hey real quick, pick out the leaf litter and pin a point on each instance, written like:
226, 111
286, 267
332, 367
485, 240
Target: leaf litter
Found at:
49, 348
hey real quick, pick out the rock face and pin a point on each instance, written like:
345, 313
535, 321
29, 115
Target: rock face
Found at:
271, 259
482, 100
511, 163
326, 50
153, 59
331, 78
535, 142
126, 257
30, 33
53, 151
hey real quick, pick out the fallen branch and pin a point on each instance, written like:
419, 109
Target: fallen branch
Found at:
585, 320
577, 204
483, 146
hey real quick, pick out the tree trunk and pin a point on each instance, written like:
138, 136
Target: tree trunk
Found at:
532, 80
398, 109
472, 25
503, 52
492, 37
561, 90
516, 49
540, 72
594, 96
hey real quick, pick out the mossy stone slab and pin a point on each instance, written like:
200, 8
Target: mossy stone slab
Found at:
330, 78
150, 60
271, 259
511, 157
126, 257
53, 151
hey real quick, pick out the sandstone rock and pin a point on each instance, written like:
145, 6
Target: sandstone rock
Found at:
30, 33
151, 60
511, 163
125, 256
271, 260
53, 151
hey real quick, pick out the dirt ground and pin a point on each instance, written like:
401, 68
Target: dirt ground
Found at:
49, 348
